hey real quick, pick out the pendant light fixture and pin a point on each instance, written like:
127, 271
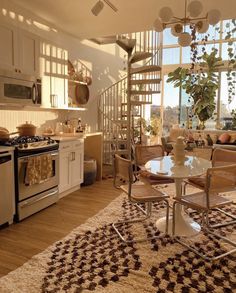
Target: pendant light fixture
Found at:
192, 13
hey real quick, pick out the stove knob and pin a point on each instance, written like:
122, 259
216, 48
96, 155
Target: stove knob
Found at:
25, 145
20, 146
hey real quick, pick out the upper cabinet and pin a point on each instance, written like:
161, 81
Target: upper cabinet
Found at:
9, 47
29, 45
19, 50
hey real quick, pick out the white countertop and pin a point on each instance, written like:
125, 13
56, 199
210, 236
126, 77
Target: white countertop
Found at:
67, 138
75, 136
6, 148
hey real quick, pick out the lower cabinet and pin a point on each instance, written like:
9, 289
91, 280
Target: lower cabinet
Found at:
71, 167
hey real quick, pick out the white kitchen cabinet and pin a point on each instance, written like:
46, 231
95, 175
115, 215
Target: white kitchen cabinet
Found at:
64, 171
9, 47
19, 50
29, 45
71, 164
77, 164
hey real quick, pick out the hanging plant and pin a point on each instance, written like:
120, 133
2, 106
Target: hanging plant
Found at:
201, 85
231, 71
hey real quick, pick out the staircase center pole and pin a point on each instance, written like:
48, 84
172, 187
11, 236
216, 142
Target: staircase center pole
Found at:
129, 105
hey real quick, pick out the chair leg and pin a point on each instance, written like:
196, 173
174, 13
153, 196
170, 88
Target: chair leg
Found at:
167, 215
205, 222
148, 215
141, 209
225, 223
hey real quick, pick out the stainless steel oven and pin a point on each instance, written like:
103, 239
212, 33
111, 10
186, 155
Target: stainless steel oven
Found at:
17, 88
26, 190
35, 195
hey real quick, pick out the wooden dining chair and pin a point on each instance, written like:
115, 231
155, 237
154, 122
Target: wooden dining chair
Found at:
218, 179
137, 193
220, 157
142, 155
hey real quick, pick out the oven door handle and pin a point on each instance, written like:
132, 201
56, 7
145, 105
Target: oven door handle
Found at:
27, 203
25, 160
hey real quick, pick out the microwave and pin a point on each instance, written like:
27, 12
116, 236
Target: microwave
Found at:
18, 88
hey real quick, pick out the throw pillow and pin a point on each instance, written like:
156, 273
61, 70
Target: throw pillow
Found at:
233, 137
224, 138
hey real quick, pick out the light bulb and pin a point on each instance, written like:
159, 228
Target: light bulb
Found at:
184, 39
195, 8
177, 29
165, 14
158, 25
214, 16
202, 26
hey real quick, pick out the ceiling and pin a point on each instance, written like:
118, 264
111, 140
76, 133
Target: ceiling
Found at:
75, 17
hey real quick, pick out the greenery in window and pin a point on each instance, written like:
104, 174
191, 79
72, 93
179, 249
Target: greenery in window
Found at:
231, 73
200, 85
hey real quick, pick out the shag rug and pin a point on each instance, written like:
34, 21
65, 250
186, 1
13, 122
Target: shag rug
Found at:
93, 259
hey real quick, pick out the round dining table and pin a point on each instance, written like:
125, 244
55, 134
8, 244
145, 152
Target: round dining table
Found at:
167, 168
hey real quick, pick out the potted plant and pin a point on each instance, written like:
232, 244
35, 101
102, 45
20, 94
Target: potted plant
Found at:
150, 129
201, 85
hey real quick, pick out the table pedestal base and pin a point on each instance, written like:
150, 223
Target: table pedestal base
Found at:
183, 226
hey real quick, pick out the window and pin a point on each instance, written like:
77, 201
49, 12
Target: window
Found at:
175, 103
171, 56
170, 106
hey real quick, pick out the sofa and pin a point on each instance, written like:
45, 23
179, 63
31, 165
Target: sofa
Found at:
169, 140
216, 138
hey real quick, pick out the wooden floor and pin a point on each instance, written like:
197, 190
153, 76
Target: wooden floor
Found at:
19, 242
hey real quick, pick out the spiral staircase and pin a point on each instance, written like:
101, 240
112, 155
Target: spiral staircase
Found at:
122, 105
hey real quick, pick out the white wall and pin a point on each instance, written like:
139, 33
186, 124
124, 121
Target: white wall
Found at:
105, 62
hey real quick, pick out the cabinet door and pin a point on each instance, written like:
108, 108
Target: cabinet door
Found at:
64, 171
77, 166
9, 47
29, 53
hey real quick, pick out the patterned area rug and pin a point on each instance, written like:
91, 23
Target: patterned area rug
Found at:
93, 259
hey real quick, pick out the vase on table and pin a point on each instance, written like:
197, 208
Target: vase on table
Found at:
179, 151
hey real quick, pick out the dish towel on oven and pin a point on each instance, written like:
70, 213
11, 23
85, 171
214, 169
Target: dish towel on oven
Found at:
39, 168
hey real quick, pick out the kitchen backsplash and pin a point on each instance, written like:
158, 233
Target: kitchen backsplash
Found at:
12, 118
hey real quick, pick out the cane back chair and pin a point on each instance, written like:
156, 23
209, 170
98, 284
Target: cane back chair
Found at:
218, 179
220, 157
137, 193
142, 155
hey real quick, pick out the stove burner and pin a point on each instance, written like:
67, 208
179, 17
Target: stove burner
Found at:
28, 141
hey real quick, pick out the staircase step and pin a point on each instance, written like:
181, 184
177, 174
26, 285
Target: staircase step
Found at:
145, 81
121, 152
126, 44
139, 56
118, 141
139, 103
120, 121
144, 92
145, 69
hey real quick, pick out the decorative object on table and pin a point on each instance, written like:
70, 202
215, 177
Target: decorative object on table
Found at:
191, 17
200, 86
179, 151
27, 129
